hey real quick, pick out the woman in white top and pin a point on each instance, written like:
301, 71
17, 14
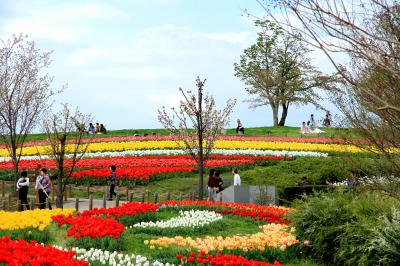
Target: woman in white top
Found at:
236, 177
22, 188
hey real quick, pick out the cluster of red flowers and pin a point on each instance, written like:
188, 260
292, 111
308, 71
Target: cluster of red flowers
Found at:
19, 252
271, 214
128, 209
220, 259
130, 173
91, 226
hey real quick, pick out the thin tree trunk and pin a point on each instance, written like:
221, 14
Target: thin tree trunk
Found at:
201, 178
60, 191
285, 109
275, 113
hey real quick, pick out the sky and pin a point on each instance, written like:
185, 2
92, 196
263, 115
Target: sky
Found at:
123, 59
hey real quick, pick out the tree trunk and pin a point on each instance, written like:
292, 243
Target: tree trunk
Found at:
60, 191
15, 173
201, 178
285, 109
275, 109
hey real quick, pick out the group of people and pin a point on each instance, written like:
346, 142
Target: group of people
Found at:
99, 129
215, 182
43, 186
312, 128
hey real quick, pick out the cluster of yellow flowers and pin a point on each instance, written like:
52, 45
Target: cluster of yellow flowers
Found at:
38, 219
219, 144
272, 236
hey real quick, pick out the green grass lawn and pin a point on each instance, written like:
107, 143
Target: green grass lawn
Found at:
285, 131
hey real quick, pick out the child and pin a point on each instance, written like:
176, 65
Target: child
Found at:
112, 178
22, 188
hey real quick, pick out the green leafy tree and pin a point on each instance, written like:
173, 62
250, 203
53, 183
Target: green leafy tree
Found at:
278, 72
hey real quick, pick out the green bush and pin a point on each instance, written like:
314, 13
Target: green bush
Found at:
386, 239
339, 224
28, 234
105, 243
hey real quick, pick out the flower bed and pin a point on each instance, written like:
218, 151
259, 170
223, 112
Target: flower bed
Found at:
203, 259
192, 218
272, 214
272, 236
19, 252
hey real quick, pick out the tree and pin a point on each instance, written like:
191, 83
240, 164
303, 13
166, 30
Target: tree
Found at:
24, 92
197, 123
278, 73
65, 131
367, 35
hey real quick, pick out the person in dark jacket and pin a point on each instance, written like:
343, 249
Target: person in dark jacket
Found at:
22, 188
112, 180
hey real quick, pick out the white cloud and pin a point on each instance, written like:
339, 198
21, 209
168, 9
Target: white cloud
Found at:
230, 37
136, 73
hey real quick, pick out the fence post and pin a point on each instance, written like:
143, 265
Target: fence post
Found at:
77, 204
168, 195
180, 196
220, 197
105, 200
127, 192
88, 191
155, 197
9, 200
3, 204
130, 199
143, 197
148, 195
32, 203
52, 195
117, 201
90, 202
3, 189
19, 205
195, 195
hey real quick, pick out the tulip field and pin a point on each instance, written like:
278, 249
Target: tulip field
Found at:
168, 233
172, 232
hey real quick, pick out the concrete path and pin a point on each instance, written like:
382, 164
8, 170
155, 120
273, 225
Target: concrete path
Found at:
84, 204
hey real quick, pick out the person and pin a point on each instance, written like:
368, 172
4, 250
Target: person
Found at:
22, 188
97, 128
327, 120
212, 184
219, 180
304, 129
239, 128
112, 179
90, 129
236, 177
43, 186
103, 129
311, 123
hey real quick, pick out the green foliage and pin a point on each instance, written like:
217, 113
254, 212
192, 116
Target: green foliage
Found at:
28, 234
105, 243
339, 224
141, 217
386, 239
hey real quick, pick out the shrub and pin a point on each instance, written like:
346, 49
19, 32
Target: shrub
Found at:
339, 224
386, 239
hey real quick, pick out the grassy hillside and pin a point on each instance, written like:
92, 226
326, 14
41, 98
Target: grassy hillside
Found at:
255, 131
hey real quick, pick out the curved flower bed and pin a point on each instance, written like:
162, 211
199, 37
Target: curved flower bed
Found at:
272, 236
220, 259
192, 219
38, 219
19, 252
219, 144
272, 214
91, 226
127, 209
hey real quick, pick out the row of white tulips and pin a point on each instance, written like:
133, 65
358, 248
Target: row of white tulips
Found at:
113, 258
182, 152
192, 218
